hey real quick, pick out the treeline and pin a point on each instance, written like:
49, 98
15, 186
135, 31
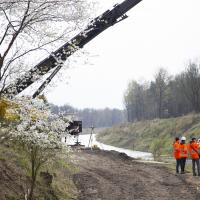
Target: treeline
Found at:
165, 96
93, 117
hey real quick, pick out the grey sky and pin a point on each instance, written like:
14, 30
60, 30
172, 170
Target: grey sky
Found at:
158, 33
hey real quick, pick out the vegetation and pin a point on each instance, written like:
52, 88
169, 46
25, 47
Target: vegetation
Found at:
16, 177
154, 136
165, 96
32, 136
30, 28
93, 117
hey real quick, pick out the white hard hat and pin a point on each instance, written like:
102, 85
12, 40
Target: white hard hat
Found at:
183, 138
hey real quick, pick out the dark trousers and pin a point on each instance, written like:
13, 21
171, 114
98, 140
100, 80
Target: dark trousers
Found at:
178, 165
195, 161
182, 162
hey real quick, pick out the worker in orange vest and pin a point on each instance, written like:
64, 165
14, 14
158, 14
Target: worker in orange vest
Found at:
183, 153
176, 151
194, 147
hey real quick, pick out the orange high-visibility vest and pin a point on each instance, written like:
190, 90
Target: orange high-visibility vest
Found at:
193, 148
183, 150
176, 150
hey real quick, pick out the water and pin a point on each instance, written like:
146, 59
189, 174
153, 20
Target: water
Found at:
84, 139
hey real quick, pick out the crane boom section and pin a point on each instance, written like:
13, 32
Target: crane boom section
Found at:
95, 27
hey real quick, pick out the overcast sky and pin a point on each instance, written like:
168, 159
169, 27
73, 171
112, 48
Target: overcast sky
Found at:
157, 33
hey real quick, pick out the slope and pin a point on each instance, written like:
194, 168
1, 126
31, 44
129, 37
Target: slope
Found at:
154, 136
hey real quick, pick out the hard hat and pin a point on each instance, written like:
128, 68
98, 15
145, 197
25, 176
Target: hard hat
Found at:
183, 138
193, 137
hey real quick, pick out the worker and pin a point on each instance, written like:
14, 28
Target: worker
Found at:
176, 151
183, 153
198, 141
194, 148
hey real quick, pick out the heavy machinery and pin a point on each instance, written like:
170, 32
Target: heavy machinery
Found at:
74, 129
57, 58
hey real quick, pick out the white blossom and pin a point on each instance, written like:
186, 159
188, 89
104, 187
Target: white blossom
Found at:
37, 125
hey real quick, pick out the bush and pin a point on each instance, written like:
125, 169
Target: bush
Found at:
157, 147
36, 136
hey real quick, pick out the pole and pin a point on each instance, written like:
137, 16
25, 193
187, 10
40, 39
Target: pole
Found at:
90, 140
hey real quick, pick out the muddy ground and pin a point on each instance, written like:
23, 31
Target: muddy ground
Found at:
114, 176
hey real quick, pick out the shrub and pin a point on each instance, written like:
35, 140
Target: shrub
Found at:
36, 135
157, 148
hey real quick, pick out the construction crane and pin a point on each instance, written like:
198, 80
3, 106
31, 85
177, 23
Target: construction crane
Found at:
57, 58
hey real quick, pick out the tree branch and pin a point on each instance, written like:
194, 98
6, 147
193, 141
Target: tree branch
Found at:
18, 31
4, 35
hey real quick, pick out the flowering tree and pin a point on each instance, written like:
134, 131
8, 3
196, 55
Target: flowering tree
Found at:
29, 26
36, 132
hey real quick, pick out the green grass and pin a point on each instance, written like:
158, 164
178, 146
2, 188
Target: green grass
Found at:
15, 165
152, 135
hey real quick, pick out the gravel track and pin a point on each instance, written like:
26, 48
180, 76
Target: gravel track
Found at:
106, 175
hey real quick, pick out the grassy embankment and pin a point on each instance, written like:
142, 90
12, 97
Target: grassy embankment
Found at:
154, 136
15, 177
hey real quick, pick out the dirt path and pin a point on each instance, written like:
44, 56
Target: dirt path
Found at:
114, 176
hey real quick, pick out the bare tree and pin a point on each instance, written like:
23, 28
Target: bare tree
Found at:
29, 26
161, 79
165, 96
190, 84
134, 100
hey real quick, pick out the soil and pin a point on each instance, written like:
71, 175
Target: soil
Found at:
14, 182
11, 179
107, 175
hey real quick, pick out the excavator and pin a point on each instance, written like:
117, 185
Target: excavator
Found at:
54, 62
